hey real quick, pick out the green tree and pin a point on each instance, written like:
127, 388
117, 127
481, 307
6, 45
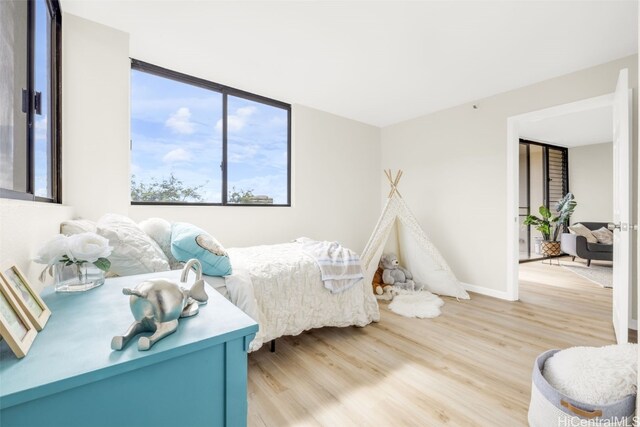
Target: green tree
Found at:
168, 190
240, 196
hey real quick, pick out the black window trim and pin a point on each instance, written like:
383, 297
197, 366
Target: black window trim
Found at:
55, 108
225, 91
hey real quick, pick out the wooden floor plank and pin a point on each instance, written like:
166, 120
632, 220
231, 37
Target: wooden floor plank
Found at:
471, 366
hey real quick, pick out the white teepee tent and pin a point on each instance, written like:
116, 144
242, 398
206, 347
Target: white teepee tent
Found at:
416, 251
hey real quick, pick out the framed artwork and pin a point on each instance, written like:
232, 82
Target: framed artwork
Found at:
28, 299
15, 327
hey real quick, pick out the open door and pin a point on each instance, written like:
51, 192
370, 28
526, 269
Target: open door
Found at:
621, 207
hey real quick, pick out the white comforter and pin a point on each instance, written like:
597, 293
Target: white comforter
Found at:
280, 288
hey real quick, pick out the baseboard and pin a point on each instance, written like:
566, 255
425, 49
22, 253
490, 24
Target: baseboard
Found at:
633, 324
487, 291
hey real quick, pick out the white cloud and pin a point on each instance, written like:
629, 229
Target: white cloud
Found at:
180, 122
246, 111
278, 120
240, 153
146, 147
177, 155
235, 122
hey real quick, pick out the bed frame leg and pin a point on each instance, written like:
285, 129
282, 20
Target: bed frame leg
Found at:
273, 346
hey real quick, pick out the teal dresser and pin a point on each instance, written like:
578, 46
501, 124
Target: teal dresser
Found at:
71, 377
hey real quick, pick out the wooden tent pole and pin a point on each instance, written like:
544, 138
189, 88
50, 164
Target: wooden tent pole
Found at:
397, 181
390, 178
393, 181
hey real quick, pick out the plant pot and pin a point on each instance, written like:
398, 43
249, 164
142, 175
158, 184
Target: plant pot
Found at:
550, 248
77, 277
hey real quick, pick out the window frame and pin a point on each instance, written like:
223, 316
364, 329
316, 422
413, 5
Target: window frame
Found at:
225, 91
55, 109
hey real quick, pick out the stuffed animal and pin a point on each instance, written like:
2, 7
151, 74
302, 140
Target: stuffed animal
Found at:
379, 288
395, 275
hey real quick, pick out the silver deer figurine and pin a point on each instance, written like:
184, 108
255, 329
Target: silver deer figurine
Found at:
157, 304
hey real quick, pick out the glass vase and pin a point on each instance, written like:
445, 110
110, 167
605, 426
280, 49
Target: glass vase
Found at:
77, 277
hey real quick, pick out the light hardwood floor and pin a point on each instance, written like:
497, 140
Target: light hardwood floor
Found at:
469, 367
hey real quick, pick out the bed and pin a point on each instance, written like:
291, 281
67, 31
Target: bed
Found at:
279, 286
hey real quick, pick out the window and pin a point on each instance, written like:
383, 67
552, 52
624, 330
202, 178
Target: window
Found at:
200, 143
30, 100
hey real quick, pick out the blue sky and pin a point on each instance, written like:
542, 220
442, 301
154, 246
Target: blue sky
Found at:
177, 128
41, 74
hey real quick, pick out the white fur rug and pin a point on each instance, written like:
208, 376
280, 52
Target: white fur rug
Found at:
594, 375
420, 304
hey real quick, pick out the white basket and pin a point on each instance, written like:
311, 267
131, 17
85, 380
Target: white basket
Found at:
550, 408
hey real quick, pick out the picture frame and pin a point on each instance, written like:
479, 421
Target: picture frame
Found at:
28, 298
15, 327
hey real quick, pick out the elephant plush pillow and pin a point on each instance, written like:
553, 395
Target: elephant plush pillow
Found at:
189, 241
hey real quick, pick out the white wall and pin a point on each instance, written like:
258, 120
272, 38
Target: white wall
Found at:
95, 117
455, 168
24, 227
336, 161
591, 181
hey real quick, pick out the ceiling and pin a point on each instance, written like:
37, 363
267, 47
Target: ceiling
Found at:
587, 127
376, 62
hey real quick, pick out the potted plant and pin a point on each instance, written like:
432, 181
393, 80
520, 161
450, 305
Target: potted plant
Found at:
549, 226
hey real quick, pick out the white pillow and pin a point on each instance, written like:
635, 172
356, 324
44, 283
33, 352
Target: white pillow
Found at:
133, 251
604, 236
77, 226
581, 230
160, 231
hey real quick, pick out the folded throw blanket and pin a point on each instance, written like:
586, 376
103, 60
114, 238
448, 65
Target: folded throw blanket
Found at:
340, 267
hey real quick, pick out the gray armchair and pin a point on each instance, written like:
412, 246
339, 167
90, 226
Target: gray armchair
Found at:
577, 246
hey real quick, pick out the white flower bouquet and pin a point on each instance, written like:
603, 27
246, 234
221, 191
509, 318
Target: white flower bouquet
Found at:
76, 249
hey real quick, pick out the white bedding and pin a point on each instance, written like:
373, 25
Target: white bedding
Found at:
280, 288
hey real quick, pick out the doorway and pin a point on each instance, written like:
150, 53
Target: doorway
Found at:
620, 104
543, 181
515, 128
